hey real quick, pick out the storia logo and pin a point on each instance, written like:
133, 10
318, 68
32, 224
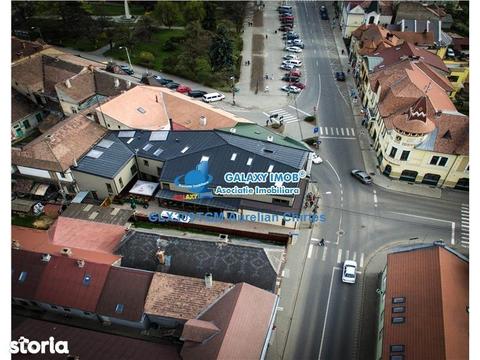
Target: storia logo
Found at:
25, 346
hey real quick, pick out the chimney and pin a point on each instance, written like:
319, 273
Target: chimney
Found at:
68, 84
15, 245
438, 113
75, 162
46, 257
270, 138
80, 263
208, 280
170, 122
203, 121
129, 83
66, 252
160, 256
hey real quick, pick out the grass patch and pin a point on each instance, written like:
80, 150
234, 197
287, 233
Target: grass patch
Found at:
154, 46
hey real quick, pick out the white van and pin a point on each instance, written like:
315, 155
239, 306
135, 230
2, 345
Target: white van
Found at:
285, 7
295, 62
211, 97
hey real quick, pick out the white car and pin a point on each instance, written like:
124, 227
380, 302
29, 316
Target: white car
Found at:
316, 159
349, 273
294, 49
174, 216
290, 57
287, 66
291, 89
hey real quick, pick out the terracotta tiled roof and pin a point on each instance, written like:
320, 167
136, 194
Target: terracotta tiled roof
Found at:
181, 297
125, 287
88, 235
37, 241
417, 38
198, 330
56, 70
21, 106
434, 283
244, 317
374, 37
68, 140
82, 86
89, 344
416, 120
22, 48
29, 72
32, 268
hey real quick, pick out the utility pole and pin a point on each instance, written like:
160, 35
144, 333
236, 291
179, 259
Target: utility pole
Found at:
128, 56
233, 88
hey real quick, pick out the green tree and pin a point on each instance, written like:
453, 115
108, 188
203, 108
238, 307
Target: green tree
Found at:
146, 58
221, 50
235, 11
167, 13
193, 11
210, 19
144, 28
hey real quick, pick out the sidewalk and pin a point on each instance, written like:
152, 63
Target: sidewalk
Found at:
366, 146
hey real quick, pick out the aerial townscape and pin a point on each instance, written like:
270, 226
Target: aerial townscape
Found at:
240, 180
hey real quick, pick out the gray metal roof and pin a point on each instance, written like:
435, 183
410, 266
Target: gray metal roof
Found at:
429, 143
110, 161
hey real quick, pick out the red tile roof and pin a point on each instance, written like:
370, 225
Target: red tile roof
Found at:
23, 48
38, 241
64, 283
25, 261
244, 316
434, 283
127, 287
88, 235
88, 344
22, 107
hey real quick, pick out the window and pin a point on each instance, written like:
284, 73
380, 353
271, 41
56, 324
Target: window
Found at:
393, 152
397, 348
184, 150
22, 277
133, 169
453, 78
434, 160
119, 308
120, 181
280, 201
234, 156
159, 171
398, 300
398, 320
26, 123
405, 154
74, 110
109, 188
145, 162
443, 161
396, 357
398, 309
87, 279
86, 313
66, 309
204, 158
39, 117
53, 307
249, 161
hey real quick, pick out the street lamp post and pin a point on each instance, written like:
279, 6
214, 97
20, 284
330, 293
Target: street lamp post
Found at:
128, 56
233, 88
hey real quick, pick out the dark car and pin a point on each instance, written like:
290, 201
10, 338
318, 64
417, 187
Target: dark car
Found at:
324, 16
172, 85
164, 81
290, 36
287, 22
340, 76
127, 69
197, 93
285, 28
292, 79
362, 176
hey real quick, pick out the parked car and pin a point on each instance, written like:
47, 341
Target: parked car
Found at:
285, 28
164, 81
174, 216
349, 273
286, 16
294, 62
127, 69
362, 176
184, 89
450, 52
324, 16
290, 57
290, 89
172, 85
295, 72
157, 77
300, 85
287, 66
294, 42
292, 79
211, 97
290, 36
294, 49
340, 76
196, 93
316, 159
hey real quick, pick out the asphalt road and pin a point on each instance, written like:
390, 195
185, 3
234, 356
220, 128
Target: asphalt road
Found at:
325, 320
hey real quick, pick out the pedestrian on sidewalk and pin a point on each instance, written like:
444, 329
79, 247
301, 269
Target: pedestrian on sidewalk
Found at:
266, 36
322, 242
343, 52
271, 77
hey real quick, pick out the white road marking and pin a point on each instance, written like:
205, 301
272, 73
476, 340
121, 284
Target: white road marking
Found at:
453, 233
354, 256
279, 308
326, 131
465, 242
353, 132
361, 260
331, 130
337, 137
310, 249
339, 256
465, 211
375, 198
314, 239
348, 133
336, 129
324, 255
316, 62
342, 131
321, 130
335, 171
267, 115
303, 112
347, 255
326, 312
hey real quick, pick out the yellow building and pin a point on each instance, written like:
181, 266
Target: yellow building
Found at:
459, 72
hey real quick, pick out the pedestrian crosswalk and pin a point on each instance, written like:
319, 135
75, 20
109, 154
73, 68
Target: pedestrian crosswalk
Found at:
336, 132
282, 114
465, 226
331, 252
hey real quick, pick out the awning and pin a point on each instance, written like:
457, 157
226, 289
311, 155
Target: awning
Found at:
225, 204
79, 197
39, 189
23, 186
145, 188
21, 205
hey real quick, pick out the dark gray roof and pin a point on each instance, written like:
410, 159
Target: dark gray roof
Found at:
110, 162
227, 262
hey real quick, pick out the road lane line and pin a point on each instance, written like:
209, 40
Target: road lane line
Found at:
310, 249
347, 255
348, 133
335, 171
453, 233
303, 112
354, 256
375, 198
465, 242
324, 255
361, 260
342, 131
339, 256
314, 239
337, 137
326, 312
465, 211
267, 115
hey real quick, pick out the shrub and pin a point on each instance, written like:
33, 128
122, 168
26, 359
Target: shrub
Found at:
309, 118
146, 58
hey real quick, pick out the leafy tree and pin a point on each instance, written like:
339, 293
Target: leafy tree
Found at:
193, 11
221, 50
144, 28
167, 13
235, 11
210, 19
146, 58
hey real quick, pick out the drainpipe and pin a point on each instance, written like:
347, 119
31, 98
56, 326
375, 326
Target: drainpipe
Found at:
449, 171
